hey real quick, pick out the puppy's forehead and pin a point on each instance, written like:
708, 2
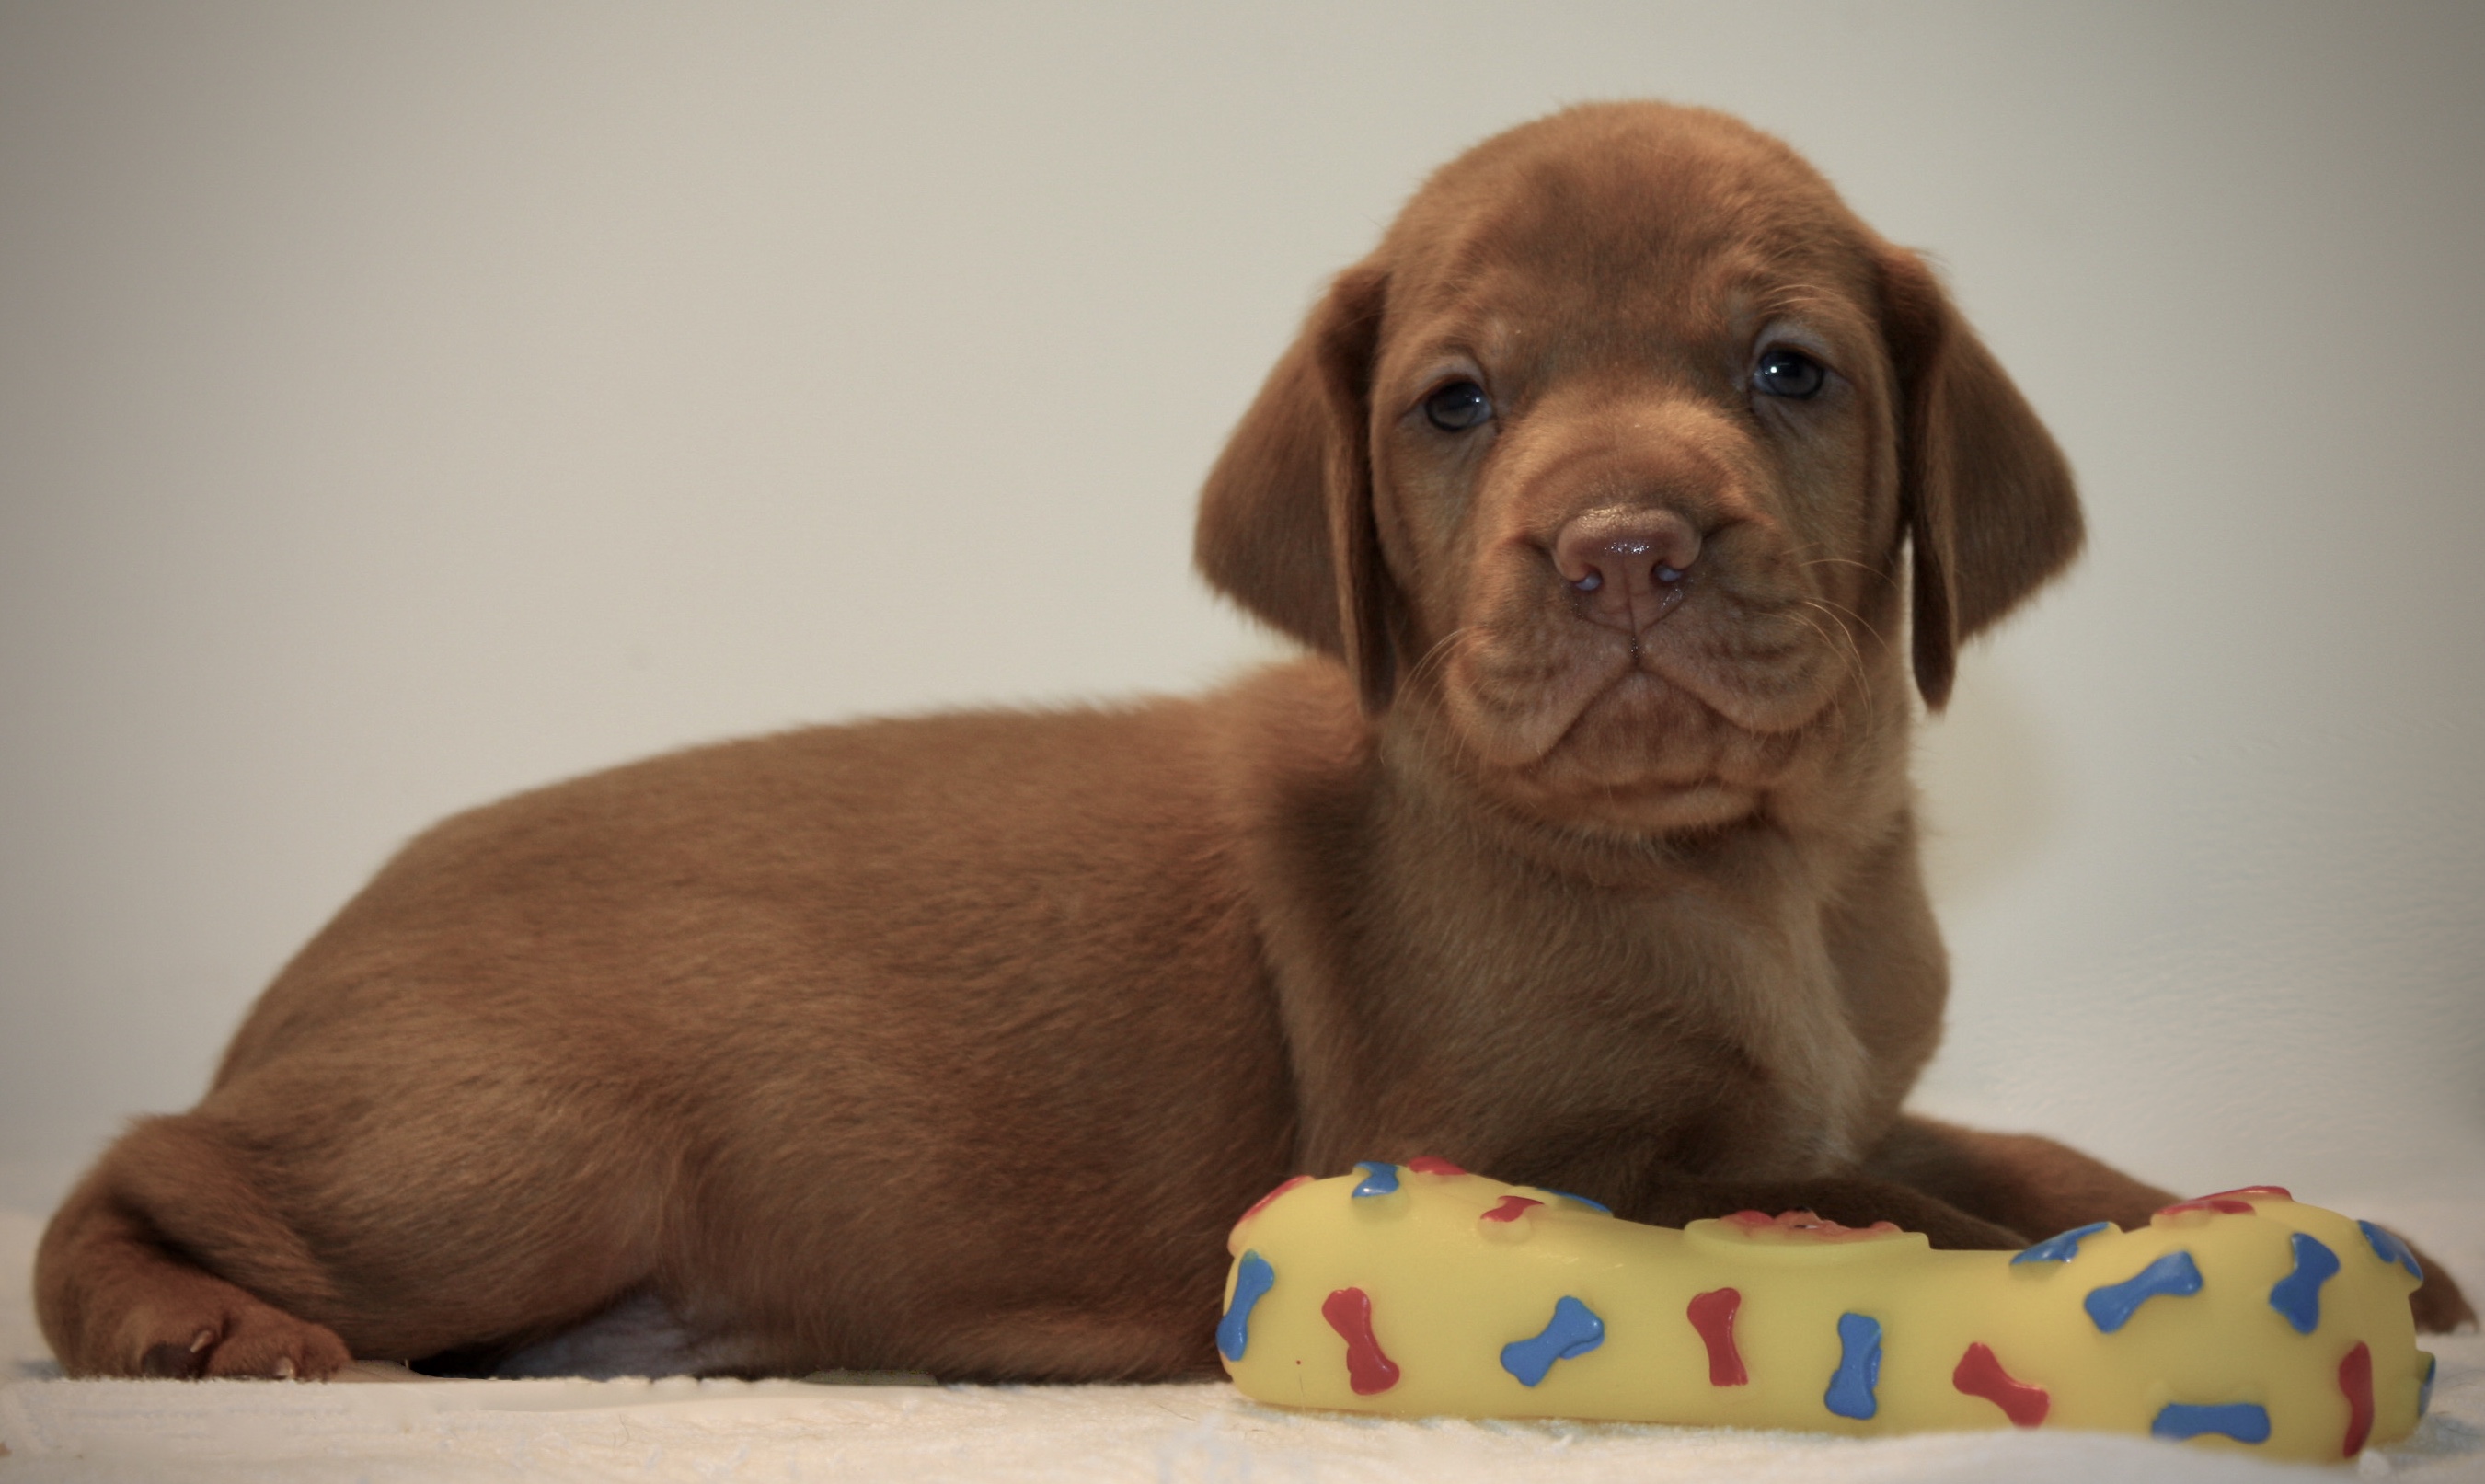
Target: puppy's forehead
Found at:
1640, 217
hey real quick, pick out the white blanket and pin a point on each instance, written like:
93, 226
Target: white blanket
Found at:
699, 1431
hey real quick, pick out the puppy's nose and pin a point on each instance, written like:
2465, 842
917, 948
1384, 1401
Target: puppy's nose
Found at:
1629, 564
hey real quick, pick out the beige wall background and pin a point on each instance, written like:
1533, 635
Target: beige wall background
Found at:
402, 406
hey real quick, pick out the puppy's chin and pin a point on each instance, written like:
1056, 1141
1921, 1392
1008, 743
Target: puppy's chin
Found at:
1618, 749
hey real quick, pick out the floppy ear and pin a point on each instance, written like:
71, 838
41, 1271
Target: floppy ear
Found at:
1985, 495
1285, 522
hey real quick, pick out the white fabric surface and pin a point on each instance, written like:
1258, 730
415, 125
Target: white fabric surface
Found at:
57, 1430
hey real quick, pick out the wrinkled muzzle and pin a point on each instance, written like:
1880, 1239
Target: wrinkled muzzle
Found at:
1642, 606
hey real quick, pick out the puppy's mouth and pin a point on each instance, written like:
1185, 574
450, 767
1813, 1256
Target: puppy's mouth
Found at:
1690, 717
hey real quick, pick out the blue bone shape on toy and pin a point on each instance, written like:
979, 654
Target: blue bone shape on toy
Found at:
1253, 1277
1573, 1331
2389, 1249
2243, 1422
1379, 1179
2063, 1246
1859, 1368
2111, 1306
2297, 1295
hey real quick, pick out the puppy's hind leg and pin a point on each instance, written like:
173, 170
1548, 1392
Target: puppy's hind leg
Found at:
119, 1283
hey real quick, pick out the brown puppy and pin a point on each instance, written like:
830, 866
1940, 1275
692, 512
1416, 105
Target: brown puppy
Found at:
1581, 855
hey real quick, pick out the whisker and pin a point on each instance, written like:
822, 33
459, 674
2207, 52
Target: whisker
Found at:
1440, 650
1439, 654
1852, 654
1837, 699
1860, 620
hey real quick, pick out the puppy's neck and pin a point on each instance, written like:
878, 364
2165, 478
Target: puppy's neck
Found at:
1416, 930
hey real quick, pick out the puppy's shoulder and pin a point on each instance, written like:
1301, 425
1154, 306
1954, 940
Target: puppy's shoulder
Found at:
1288, 729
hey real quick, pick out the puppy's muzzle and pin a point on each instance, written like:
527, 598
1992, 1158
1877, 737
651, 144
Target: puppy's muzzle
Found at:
1628, 566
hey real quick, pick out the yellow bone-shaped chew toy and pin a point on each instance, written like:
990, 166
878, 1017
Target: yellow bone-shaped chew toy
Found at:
2245, 1319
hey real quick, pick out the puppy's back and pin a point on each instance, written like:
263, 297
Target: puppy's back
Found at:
895, 996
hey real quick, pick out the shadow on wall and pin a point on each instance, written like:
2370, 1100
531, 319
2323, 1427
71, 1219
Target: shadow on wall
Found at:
1989, 782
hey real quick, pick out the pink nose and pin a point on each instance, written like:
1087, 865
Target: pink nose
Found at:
1629, 564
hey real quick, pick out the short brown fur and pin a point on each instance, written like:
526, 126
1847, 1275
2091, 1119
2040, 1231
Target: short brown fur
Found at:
804, 1036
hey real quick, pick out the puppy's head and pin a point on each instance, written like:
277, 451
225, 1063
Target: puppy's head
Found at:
1605, 462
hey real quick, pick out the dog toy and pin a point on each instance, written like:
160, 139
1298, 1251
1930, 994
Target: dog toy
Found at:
2242, 1319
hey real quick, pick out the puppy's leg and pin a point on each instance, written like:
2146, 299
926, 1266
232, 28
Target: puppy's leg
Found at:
2041, 1187
2021, 1181
1850, 1201
118, 1294
251, 1238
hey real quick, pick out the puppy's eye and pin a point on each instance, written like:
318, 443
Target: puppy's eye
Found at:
1457, 406
1789, 373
